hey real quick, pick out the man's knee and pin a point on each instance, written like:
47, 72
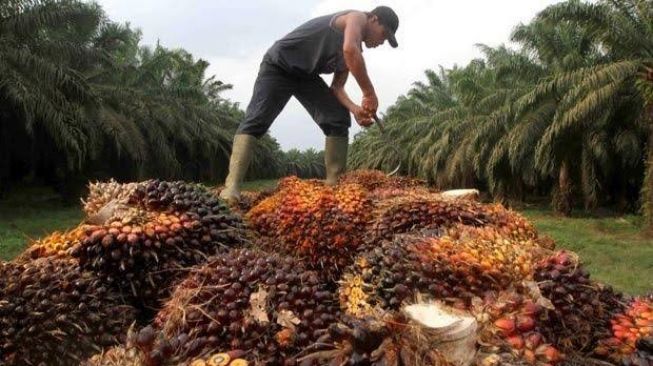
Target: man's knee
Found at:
340, 129
249, 127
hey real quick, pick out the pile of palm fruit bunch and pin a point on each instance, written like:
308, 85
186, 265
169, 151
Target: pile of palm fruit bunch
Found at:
53, 313
320, 275
268, 305
157, 231
322, 224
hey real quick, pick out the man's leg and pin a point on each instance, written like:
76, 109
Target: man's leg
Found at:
272, 90
334, 120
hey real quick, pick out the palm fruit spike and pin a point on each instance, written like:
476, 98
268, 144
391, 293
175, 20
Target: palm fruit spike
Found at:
456, 267
267, 304
101, 193
142, 255
324, 225
53, 313
583, 309
627, 329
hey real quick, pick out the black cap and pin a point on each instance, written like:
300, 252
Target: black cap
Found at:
389, 19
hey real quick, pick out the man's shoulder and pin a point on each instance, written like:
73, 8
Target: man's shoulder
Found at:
346, 16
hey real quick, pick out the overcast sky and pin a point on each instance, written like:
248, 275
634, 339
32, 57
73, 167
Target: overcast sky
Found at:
234, 35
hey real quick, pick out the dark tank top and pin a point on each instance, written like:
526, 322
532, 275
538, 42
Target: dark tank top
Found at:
313, 48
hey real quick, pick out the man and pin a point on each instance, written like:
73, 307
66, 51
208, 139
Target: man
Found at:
291, 67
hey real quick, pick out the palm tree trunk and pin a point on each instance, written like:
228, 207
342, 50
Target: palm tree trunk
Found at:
4, 157
587, 177
562, 194
647, 188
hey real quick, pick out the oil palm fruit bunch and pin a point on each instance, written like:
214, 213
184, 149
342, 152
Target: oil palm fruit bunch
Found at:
375, 179
373, 340
101, 193
510, 223
583, 309
142, 254
510, 331
267, 304
446, 268
627, 328
56, 245
643, 354
135, 353
383, 194
116, 356
231, 358
321, 224
249, 199
456, 267
415, 212
53, 313
178, 197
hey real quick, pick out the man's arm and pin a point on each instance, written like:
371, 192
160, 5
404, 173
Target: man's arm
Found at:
351, 49
338, 89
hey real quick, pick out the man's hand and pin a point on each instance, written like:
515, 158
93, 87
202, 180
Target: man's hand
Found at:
370, 103
363, 117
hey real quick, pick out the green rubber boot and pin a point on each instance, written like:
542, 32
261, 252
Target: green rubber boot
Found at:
335, 158
241, 154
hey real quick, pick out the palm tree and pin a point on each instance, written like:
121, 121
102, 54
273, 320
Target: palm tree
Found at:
304, 164
91, 102
42, 95
613, 91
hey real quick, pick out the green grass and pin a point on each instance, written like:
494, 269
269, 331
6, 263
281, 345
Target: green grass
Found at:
612, 247
30, 214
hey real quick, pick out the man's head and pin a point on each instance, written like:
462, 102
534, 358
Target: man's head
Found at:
382, 23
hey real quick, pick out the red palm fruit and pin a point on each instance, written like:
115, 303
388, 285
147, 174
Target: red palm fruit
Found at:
525, 323
98, 234
132, 238
529, 357
516, 342
550, 353
530, 308
533, 340
506, 325
107, 241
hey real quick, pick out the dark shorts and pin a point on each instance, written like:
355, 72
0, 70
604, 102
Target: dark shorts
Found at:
273, 89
